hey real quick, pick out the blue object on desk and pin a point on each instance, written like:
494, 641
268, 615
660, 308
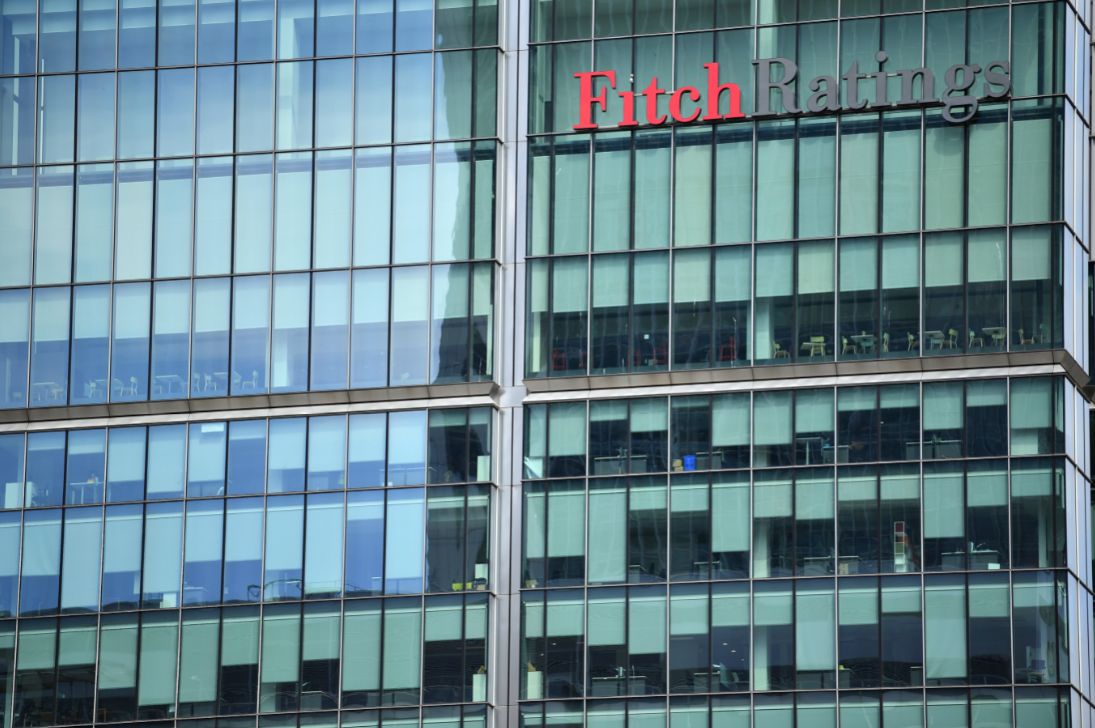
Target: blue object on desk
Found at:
689, 462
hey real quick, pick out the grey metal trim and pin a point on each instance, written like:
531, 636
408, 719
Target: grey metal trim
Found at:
858, 372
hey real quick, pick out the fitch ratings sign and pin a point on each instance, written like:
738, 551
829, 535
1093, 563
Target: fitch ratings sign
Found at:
958, 99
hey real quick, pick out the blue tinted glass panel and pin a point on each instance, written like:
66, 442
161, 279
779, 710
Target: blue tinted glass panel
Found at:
95, 122
413, 25
327, 453
250, 334
86, 471
166, 460
206, 459
323, 547
255, 39
407, 448
45, 469
57, 40
90, 344
95, 221
216, 96
216, 31
286, 463
375, 26
125, 464
80, 560
404, 542
209, 363
365, 543
17, 120
53, 234
246, 457
176, 32
122, 557
9, 561
284, 548
162, 555
11, 470
97, 34
14, 346
335, 28
129, 353
289, 341
330, 329
369, 343
367, 448
41, 575
136, 114
296, 28
202, 567
175, 118
137, 37
170, 339
17, 39
243, 550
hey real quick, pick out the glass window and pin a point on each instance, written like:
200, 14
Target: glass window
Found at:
41, 573
773, 636
239, 660
900, 296
406, 448
209, 357
250, 335
158, 664
130, 343
45, 469
364, 544
773, 532
174, 207
53, 236
35, 685
117, 694
11, 469
198, 661
243, 550
136, 117
286, 455
289, 338
83, 540
203, 550
944, 628
86, 467
369, 329
134, 213
292, 208
361, 667
1035, 276
367, 450
280, 685
254, 218
859, 310
206, 459
814, 442
90, 344
943, 420
122, 540
213, 218
284, 548
772, 429
773, 311
323, 546
170, 340
404, 542
401, 669
330, 329
16, 195
95, 124
166, 461
162, 555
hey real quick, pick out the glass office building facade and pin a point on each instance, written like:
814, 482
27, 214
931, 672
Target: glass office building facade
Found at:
359, 367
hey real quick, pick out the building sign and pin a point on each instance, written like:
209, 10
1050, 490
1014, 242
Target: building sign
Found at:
958, 106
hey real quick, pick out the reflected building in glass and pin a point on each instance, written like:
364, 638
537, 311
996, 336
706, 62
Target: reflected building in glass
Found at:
546, 363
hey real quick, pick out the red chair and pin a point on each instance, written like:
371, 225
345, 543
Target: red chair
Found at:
660, 356
729, 350
558, 361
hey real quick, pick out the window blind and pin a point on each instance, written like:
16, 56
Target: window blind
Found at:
730, 516
774, 270
607, 618
1031, 256
943, 264
987, 255
117, 653
567, 429
566, 523
159, 658
858, 265
650, 415
1031, 402
646, 623
171, 311
569, 285
198, 662
733, 273
944, 512
402, 626
901, 262
816, 265
651, 278
815, 639
361, 653
858, 605
943, 406
730, 420
814, 410
944, 631
611, 276
692, 276
688, 614
772, 418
